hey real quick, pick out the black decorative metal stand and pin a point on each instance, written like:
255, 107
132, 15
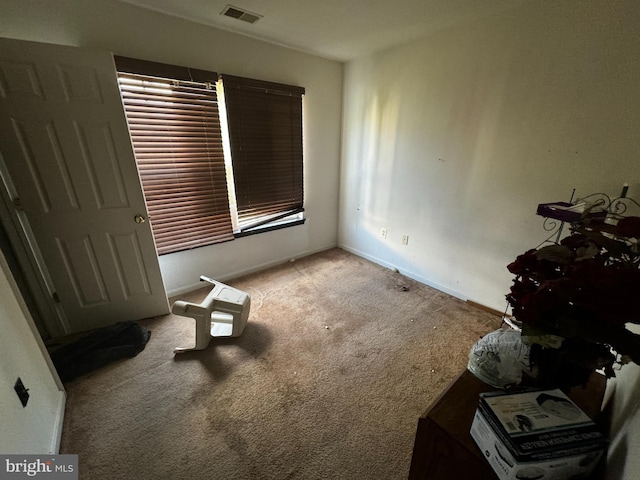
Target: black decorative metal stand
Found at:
599, 206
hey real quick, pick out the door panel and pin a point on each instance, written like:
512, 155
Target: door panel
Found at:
66, 146
48, 172
98, 153
128, 259
81, 264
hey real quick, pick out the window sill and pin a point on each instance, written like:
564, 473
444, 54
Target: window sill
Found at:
270, 227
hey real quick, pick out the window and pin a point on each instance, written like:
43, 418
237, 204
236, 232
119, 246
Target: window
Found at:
265, 134
175, 125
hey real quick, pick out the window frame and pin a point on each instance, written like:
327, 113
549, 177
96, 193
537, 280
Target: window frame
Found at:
281, 219
265, 129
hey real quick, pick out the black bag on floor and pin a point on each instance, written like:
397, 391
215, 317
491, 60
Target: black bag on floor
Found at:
99, 348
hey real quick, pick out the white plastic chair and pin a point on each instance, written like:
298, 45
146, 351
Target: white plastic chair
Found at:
223, 313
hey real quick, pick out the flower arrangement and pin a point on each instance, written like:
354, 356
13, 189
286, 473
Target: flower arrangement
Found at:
575, 297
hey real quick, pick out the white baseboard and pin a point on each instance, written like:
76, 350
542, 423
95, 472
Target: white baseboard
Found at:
57, 431
239, 273
406, 273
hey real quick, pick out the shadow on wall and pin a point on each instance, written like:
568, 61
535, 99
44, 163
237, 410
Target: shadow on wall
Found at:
376, 171
623, 415
617, 459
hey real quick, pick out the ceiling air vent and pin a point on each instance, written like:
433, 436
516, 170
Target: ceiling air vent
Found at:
240, 14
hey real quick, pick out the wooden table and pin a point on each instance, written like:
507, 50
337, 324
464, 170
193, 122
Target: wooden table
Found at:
444, 449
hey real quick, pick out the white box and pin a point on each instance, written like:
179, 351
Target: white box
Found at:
507, 468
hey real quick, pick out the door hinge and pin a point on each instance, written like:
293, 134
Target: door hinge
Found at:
55, 297
17, 204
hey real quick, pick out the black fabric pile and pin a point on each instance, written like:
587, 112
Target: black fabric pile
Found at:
99, 348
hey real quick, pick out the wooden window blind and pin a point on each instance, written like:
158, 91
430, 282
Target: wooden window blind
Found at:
265, 135
174, 124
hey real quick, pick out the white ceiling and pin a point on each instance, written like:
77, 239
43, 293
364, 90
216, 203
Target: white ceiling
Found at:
335, 29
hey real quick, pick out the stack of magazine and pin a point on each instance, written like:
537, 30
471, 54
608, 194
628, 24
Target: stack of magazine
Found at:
540, 432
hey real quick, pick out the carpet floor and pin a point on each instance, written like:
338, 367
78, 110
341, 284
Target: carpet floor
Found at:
338, 360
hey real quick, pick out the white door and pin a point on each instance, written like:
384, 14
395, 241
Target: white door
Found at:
66, 146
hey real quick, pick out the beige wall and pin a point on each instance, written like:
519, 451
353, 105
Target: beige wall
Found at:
35, 428
455, 139
130, 31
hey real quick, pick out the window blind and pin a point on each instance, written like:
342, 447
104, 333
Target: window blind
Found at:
265, 135
175, 130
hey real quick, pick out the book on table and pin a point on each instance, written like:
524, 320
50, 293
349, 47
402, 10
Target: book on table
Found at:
540, 424
536, 435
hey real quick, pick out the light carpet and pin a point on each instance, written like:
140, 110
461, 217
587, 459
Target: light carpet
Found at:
338, 360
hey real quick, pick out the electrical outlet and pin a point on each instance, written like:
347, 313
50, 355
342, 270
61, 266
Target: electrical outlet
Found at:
23, 393
383, 232
405, 239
